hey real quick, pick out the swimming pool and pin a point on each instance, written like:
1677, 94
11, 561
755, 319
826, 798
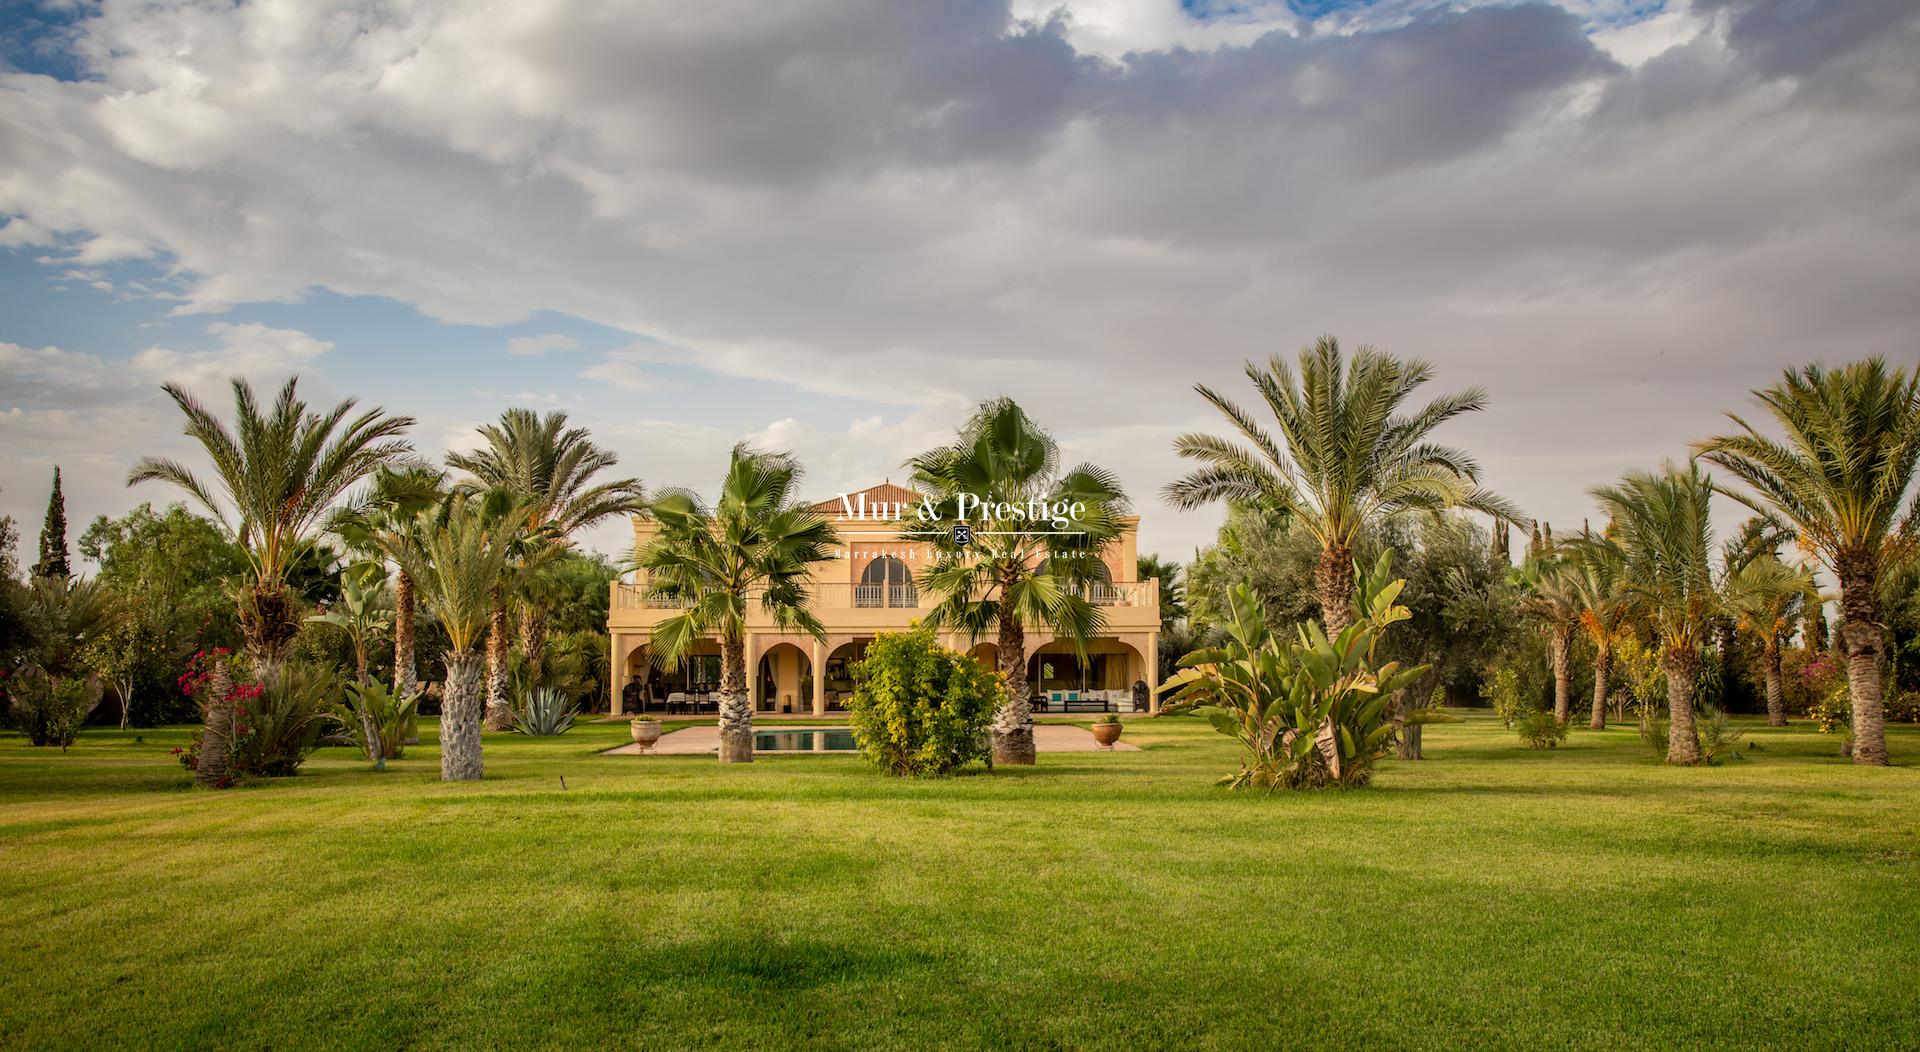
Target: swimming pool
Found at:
813, 739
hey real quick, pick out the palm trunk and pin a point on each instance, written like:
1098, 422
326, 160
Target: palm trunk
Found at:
1776, 692
1683, 741
1013, 724
460, 759
267, 624
533, 635
405, 678
736, 709
1562, 652
1602, 685
211, 767
499, 707
1333, 584
1861, 641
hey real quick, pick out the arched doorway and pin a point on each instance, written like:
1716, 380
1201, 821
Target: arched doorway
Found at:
1100, 681
839, 672
785, 683
886, 582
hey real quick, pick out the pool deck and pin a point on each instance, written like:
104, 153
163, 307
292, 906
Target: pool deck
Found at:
695, 741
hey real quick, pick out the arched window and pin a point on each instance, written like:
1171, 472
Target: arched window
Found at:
885, 582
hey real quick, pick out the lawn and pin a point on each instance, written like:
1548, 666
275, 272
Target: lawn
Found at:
1487, 896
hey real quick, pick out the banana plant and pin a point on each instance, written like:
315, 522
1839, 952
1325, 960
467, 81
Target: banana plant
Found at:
380, 720
364, 611
1311, 712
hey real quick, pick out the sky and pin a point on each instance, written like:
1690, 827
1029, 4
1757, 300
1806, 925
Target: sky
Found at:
833, 227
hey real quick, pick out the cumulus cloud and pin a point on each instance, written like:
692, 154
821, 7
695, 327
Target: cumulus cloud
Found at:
621, 372
261, 353
1615, 222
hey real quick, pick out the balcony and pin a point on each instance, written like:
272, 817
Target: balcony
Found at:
877, 596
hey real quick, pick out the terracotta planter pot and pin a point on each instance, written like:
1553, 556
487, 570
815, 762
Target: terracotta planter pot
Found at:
1106, 734
645, 733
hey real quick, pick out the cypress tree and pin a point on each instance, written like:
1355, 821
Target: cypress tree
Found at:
53, 536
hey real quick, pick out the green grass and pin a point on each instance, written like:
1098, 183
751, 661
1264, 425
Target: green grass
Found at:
1491, 895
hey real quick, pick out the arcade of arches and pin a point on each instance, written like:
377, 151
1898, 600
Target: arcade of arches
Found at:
781, 674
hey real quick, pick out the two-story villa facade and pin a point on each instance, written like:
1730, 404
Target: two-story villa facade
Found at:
869, 589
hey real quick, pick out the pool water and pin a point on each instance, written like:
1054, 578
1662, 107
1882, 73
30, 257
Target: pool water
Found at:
828, 739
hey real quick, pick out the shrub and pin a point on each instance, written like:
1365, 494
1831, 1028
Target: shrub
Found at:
1904, 707
1637, 675
1808, 676
919, 709
1654, 734
50, 710
1719, 736
543, 712
276, 726
1834, 710
1539, 730
373, 707
1311, 713
1504, 691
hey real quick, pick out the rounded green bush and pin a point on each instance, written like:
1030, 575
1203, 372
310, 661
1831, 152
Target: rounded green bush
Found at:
919, 709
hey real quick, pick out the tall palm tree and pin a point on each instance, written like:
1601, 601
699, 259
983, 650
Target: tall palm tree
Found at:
1007, 579
550, 467
279, 471
1768, 596
1347, 457
1551, 597
1662, 523
1600, 591
1841, 477
474, 544
757, 541
388, 524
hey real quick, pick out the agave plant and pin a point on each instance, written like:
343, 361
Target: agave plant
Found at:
1312, 712
543, 713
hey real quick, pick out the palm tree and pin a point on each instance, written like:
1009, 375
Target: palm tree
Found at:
1173, 586
387, 525
474, 545
1552, 597
1604, 602
279, 472
550, 467
1007, 579
1346, 459
1841, 478
63, 617
757, 540
1769, 597
1663, 526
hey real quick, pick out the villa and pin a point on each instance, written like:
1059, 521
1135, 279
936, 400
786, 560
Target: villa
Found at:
869, 589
